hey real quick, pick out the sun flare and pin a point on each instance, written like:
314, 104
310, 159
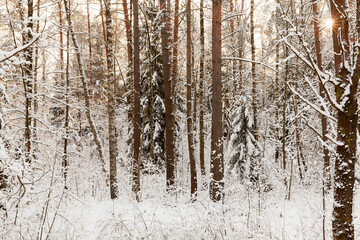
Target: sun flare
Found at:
328, 23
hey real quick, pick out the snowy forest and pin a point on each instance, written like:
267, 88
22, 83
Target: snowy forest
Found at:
179, 119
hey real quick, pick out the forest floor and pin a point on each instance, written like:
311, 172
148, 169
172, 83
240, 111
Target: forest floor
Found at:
245, 214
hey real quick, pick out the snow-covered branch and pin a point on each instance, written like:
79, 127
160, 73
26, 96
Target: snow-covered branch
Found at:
7, 55
249, 60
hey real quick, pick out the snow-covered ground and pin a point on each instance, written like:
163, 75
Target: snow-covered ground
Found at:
245, 214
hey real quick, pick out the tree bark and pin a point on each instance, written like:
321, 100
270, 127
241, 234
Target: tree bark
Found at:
253, 67
326, 157
36, 61
90, 49
85, 87
347, 117
239, 84
175, 51
201, 89
129, 82
136, 112
113, 149
284, 110
169, 117
66, 125
28, 79
188, 103
276, 96
217, 157
65, 162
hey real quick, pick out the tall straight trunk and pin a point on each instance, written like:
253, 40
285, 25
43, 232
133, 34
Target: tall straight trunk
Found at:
201, 89
85, 86
347, 118
36, 61
217, 149
194, 92
65, 156
297, 133
253, 163
136, 112
154, 158
232, 38
103, 22
188, 103
28, 79
253, 68
65, 162
175, 50
326, 156
276, 95
113, 149
238, 85
174, 72
169, 117
90, 48
284, 110
129, 54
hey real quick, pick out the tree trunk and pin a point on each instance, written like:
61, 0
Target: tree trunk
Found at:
326, 169
136, 112
36, 61
103, 22
276, 96
284, 111
253, 68
217, 157
90, 49
232, 41
347, 117
66, 125
169, 117
113, 150
65, 162
28, 79
239, 84
201, 89
129, 82
188, 103
175, 51
85, 87
254, 162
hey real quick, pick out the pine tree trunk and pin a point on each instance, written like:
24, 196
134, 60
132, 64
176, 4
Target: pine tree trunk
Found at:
113, 149
188, 103
347, 117
28, 79
253, 68
239, 84
36, 61
175, 51
201, 89
276, 96
136, 112
284, 111
169, 117
129, 54
217, 157
103, 22
66, 125
232, 41
65, 162
90, 49
326, 170
253, 163
174, 72
85, 87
